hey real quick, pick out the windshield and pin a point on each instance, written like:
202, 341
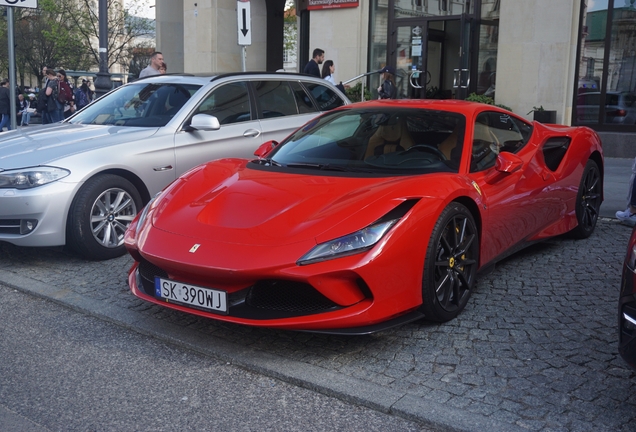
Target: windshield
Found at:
143, 104
391, 141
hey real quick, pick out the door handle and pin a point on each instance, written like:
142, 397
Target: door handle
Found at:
251, 133
415, 74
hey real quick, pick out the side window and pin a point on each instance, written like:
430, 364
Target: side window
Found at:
230, 103
493, 133
303, 101
326, 98
275, 99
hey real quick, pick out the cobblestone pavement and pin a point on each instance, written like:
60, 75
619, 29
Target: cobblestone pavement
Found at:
535, 349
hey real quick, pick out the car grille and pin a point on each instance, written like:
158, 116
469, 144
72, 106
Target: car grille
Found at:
9, 226
269, 299
288, 296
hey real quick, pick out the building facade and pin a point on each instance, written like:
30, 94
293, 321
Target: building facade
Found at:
574, 57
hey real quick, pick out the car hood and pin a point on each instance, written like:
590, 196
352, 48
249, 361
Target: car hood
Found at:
225, 201
42, 145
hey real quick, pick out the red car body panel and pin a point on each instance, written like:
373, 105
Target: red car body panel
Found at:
253, 225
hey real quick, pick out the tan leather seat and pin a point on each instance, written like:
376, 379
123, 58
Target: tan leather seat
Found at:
390, 137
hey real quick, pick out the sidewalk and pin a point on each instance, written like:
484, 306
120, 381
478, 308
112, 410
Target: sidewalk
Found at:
617, 174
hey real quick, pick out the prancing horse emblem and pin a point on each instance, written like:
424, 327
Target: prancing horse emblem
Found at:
194, 248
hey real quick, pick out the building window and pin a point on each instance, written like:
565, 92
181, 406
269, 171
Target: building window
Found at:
606, 88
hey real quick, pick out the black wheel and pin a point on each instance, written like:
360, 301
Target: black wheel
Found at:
588, 201
451, 264
101, 211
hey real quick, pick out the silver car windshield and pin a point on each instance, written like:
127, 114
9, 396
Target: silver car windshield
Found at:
139, 105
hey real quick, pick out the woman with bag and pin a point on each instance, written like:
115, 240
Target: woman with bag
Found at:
65, 93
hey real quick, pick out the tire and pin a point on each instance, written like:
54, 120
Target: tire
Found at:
588, 201
450, 267
99, 215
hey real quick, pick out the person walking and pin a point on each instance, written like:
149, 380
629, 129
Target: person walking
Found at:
163, 69
155, 64
82, 95
628, 216
42, 103
388, 89
65, 93
53, 106
5, 105
328, 69
312, 67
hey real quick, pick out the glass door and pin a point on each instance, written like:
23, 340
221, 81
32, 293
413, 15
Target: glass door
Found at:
432, 58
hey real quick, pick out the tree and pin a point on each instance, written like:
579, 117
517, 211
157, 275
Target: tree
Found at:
46, 36
125, 28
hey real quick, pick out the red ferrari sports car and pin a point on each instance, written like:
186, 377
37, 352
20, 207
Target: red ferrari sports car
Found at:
367, 217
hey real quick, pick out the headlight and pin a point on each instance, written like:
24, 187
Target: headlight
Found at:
146, 209
27, 178
348, 245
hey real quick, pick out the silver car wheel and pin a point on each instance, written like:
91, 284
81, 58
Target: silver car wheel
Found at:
111, 214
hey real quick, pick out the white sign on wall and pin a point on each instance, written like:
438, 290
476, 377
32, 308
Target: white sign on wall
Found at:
33, 4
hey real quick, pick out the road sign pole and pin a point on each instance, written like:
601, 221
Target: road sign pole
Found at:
12, 83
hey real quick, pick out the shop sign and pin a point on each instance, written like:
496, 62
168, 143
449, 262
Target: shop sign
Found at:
331, 4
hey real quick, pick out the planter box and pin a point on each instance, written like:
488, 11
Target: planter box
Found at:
546, 116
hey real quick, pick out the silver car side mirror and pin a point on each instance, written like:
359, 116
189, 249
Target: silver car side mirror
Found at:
205, 122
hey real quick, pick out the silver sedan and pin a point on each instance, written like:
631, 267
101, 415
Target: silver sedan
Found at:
82, 181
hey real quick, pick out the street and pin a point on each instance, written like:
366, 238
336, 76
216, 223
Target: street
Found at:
63, 371
534, 350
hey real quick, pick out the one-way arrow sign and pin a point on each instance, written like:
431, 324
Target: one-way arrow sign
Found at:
244, 22
33, 4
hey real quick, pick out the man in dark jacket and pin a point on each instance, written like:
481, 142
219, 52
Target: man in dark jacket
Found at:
5, 105
312, 67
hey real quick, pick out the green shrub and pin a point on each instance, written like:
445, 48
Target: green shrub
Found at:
354, 93
474, 97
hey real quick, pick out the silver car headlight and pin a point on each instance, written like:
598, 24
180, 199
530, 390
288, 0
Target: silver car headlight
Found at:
28, 178
354, 243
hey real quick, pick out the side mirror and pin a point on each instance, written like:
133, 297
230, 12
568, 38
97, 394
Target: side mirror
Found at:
508, 162
205, 122
265, 148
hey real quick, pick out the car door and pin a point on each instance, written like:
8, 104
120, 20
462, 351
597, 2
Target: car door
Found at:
239, 136
516, 206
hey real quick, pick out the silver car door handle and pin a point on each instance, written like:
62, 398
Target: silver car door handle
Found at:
251, 133
163, 168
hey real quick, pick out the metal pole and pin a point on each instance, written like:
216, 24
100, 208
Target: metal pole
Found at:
243, 55
102, 82
12, 82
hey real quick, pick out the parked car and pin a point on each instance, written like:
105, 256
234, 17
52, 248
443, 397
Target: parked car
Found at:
620, 108
369, 216
81, 182
627, 306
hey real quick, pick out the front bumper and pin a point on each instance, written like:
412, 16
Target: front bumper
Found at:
44, 208
627, 318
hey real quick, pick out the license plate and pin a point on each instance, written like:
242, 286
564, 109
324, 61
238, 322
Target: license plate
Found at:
198, 297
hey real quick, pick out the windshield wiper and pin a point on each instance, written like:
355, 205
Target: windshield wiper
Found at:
325, 167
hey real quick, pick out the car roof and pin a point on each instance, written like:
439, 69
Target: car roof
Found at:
204, 78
